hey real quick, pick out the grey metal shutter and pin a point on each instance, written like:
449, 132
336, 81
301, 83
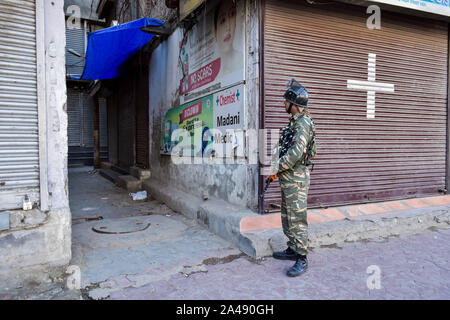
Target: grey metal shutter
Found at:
142, 116
75, 40
401, 153
127, 122
103, 122
88, 120
19, 144
74, 113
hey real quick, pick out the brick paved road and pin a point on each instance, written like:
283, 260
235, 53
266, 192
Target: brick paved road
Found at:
413, 267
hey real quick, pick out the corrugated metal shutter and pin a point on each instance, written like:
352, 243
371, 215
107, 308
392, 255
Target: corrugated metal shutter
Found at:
400, 153
81, 124
113, 131
75, 39
142, 117
74, 113
103, 123
126, 122
19, 144
88, 120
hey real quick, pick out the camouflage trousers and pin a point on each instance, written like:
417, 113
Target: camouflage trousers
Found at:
293, 215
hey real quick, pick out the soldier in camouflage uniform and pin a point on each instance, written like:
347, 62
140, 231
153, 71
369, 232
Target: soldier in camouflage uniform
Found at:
293, 175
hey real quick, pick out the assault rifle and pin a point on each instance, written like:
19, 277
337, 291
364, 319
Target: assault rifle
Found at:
269, 180
284, 144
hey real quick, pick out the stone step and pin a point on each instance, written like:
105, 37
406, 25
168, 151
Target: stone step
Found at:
106, 165
113, 167
109, 174
120, 170
129, 183
139, 173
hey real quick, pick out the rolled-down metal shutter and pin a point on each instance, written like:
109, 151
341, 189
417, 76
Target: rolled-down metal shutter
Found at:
75, 41
127, 123
103, 122
399, 153
80, 127
19, 145
74, 115
88, 120
142, 117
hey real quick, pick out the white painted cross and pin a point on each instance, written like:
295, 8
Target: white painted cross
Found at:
370, 86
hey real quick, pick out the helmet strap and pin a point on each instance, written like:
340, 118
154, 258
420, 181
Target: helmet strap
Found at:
290, 107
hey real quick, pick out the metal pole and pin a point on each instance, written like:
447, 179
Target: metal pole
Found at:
447, 178
261, 101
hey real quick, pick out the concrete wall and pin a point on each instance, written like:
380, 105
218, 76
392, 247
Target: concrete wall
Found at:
235, 183
39, 241
157, 10
125, 10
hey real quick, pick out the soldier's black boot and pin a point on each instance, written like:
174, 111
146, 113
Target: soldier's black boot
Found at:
287, 254
300, 266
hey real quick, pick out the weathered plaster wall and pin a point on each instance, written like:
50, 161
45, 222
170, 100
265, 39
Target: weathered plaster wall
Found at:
157, 9
231, 182
126, 11
55, 41
41, 241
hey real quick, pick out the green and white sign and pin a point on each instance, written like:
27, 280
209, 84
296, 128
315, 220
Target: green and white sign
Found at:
212, 124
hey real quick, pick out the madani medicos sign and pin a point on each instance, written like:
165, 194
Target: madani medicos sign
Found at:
211, 124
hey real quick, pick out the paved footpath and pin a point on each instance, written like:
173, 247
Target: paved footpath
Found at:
413, 267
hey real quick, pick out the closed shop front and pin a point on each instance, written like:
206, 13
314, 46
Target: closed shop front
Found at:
126, 122
128, 112
80, 127
378, 98
19, 136
142, 116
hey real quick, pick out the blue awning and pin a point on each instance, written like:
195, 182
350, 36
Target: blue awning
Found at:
109, 48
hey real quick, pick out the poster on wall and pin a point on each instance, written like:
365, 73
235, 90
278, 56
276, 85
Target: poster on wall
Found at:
212, 124
212, 52
189, 117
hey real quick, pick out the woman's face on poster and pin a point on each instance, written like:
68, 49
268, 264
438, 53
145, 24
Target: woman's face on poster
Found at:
226, 25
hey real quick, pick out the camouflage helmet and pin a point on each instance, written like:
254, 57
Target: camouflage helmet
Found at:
296, 93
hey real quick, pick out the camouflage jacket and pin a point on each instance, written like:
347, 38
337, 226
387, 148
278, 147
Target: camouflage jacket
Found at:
290, 168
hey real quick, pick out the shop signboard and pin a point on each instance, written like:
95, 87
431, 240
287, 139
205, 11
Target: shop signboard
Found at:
213, 125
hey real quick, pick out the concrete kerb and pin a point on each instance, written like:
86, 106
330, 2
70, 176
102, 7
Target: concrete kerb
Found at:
377, 227
224, 219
